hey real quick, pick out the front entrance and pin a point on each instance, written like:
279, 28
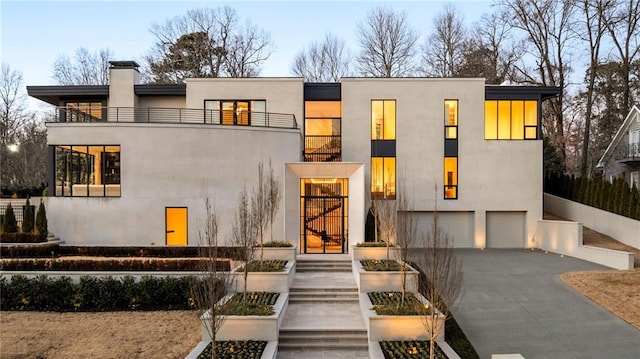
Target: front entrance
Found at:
323, 221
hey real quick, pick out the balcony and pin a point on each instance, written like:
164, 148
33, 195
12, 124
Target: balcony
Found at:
322, 148
176, 115
629, 152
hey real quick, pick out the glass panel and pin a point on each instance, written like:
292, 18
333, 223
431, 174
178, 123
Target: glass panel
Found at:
323, 109
377, 179
390, 177
517, 120
490, 120
451, 112
227, 113
321, 127
531, 133
242, 113
83, 111
63, 185
258, 113
451, 132
450, 177
212, 114
112, 171
531, 113
504, 120
390, 120
377, 120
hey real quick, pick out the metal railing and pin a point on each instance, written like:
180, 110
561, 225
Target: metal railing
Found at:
628, 152
179, 115
322, 148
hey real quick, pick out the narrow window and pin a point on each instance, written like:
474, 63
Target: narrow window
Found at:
383, 120
383, 177
450, 177
451, 119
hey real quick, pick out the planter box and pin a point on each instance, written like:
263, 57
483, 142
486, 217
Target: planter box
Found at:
396, 327
391, 281
256, 327
270, 351
360, 253
265, 281
283, 253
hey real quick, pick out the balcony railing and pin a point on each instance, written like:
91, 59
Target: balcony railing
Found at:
177, 115
628, 152
322, 148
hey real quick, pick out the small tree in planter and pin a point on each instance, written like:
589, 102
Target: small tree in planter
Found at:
244, 232
273, 197
27, 218
387, 214
443, 277
260, 207
9, 224
406, 232
41, 221
211, 288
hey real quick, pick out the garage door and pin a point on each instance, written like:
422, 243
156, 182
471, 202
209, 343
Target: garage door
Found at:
459, 225
506, 229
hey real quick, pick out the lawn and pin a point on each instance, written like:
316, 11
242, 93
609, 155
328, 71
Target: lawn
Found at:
157, 334
617, 291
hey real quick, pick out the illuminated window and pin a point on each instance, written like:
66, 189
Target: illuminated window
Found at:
87, 171
383, 177
511, 120
383, 119
450, 177
236, 112
451, 119
82, 111
322, 122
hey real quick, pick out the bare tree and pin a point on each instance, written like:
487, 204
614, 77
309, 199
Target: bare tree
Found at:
274, 194
442, 53
490, 51
443, 281
85, 68
243, 235
208, 290
591, 31
387, 44
386, 212
547, 26
260, 207
12, 104
406, 233
206, 43
326, 61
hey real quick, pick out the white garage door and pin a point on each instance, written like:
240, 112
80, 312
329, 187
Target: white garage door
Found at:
458, 225
506, 229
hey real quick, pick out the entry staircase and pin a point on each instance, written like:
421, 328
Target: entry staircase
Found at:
313, 300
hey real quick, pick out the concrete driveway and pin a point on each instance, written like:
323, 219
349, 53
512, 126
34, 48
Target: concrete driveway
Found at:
514, 301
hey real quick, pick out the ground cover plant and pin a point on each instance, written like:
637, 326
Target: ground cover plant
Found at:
409, 349
372, 244
275, 265
381, 265
104, 264
391, 303
275, 244
251, 303
235, 349
56, 250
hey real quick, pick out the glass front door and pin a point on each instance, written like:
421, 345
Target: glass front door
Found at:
324, 215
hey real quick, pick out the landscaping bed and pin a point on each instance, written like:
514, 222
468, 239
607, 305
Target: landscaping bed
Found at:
390, 303
105, 264
272, 265
275, 244
232, 349
57, 250
409, 349
257, 303
382, 265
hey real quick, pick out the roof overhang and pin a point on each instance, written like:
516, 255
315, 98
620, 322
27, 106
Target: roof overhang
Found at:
497, 92
54, 94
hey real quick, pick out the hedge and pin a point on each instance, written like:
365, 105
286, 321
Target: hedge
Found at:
95, 294
614, 197
21, 238
116, 264
56, 250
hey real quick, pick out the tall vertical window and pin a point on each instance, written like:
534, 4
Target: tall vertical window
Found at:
383, 177
450, 177
634, 143
322, 128
511, 120
87, 171
383, 119
451, 119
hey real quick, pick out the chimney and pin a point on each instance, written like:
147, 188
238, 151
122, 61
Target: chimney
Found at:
123, 76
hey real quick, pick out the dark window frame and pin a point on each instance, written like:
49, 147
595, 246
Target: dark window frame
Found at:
235, 110
68, 172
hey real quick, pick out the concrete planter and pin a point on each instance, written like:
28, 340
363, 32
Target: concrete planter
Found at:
265, 281
391, 281
396, 327
360, 253
256, 327
283, 253
270, 351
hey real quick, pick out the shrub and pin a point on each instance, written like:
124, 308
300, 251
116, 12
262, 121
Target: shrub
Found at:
27, 218
46, 250
275, 244
42, 227
9, 224
119, 264
20, 238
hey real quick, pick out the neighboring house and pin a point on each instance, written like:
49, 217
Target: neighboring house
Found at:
130, 164
621, 159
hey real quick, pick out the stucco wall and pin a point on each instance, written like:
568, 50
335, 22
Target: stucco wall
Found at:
167, 166
623, 229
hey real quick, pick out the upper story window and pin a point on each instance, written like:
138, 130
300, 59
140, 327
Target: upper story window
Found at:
451, 119
236, 112
511, 119
82, 111
87, 171
322, 128
383, 178
383, 119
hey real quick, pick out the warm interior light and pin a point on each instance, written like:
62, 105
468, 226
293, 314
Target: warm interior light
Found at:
323, 180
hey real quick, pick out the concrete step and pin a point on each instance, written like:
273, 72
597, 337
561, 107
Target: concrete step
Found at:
323, 338
323, 266
353, 289
296, 300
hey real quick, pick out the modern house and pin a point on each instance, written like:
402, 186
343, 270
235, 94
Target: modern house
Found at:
621, 159
131, 163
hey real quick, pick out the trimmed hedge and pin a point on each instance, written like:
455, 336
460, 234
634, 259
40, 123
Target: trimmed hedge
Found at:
158, 252
118, 264
614, 197
21, 238
95, 294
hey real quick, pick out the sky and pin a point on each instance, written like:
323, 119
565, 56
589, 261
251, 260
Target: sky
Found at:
34, 33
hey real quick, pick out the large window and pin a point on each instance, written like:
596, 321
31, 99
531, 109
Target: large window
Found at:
87, 171
383, 119
322, 122
511, 120
82, 112
236, 112
383, 178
